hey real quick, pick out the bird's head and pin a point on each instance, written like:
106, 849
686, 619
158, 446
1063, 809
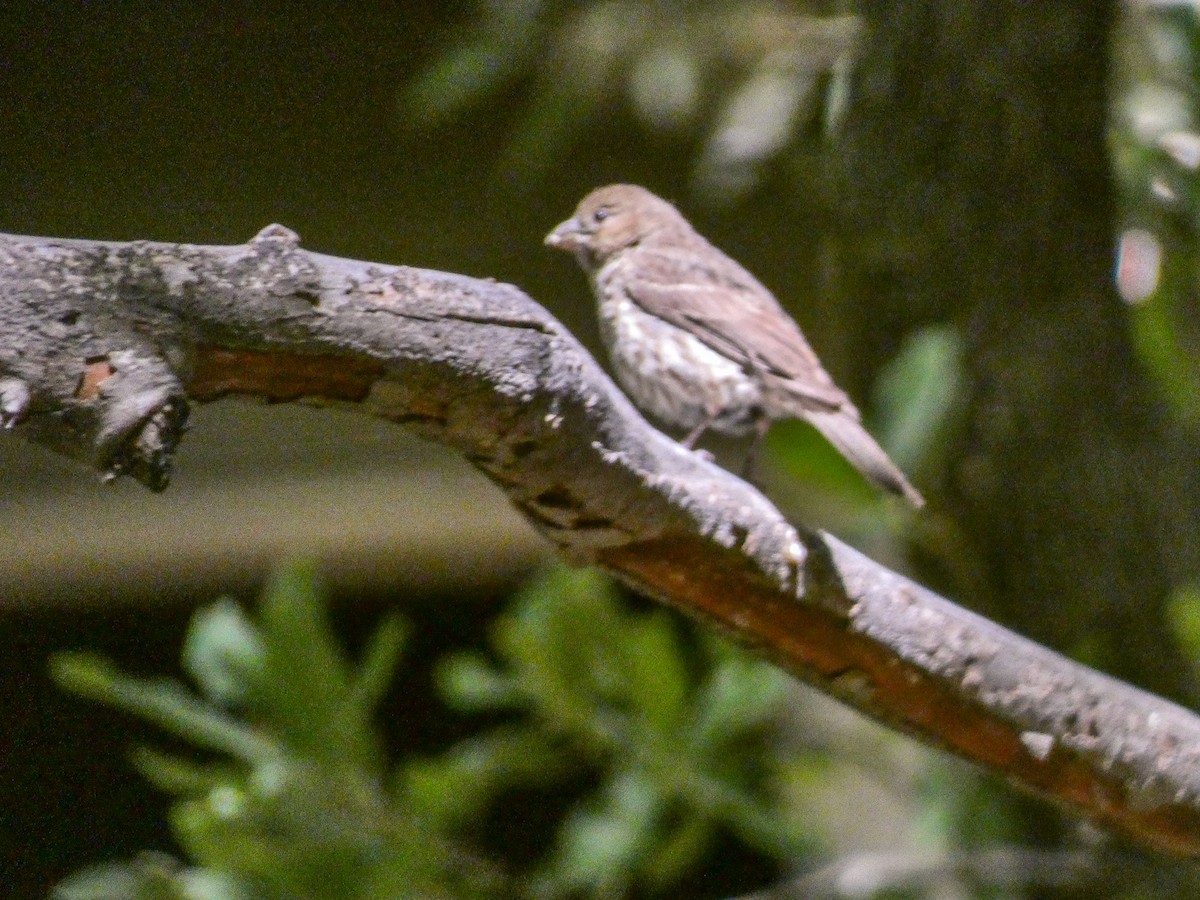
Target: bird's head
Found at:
611, 219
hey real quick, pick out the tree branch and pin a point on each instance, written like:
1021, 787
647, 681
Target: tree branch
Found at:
107, 343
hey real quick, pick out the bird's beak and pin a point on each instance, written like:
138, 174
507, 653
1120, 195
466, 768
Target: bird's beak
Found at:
567, 236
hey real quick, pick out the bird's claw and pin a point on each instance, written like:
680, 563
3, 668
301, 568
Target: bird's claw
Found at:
14, 401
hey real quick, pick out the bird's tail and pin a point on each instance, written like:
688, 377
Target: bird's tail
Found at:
854, 443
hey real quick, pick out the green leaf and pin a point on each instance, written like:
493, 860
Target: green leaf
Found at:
1183, 614
456, 787
559, 111
306, 693
804, 454
119, 881
740, 695
602, 845
378, 666
223, 652
666, 86
962, 808
654, 671
203, 884
563, 643
176, 775
470, 683
917, 392
681, 850
461, 77
479, 64
291, 826
1155, 335
150, 877
166, 703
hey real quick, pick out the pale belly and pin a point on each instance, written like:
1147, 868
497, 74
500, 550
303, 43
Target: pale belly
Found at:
673, 375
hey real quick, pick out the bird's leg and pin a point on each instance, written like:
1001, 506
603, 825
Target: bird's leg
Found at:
710, 416
762, 425
696, 433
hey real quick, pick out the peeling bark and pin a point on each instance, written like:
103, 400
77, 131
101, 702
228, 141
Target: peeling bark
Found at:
106, 344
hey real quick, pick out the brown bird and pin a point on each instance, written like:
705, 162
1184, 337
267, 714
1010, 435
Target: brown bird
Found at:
697, 341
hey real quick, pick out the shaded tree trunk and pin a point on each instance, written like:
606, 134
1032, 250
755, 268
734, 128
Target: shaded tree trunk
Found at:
978, 149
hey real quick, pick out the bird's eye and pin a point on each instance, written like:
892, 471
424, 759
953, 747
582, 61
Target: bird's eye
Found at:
601, 214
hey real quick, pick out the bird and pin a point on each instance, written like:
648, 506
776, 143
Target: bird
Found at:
697, 341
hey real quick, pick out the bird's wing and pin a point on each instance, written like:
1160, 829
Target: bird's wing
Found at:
714, 298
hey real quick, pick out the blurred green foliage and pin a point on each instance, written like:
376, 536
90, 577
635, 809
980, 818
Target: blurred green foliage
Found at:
743, 78
917, 395
1156, 155
1183, 613
915, 399
292, 797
